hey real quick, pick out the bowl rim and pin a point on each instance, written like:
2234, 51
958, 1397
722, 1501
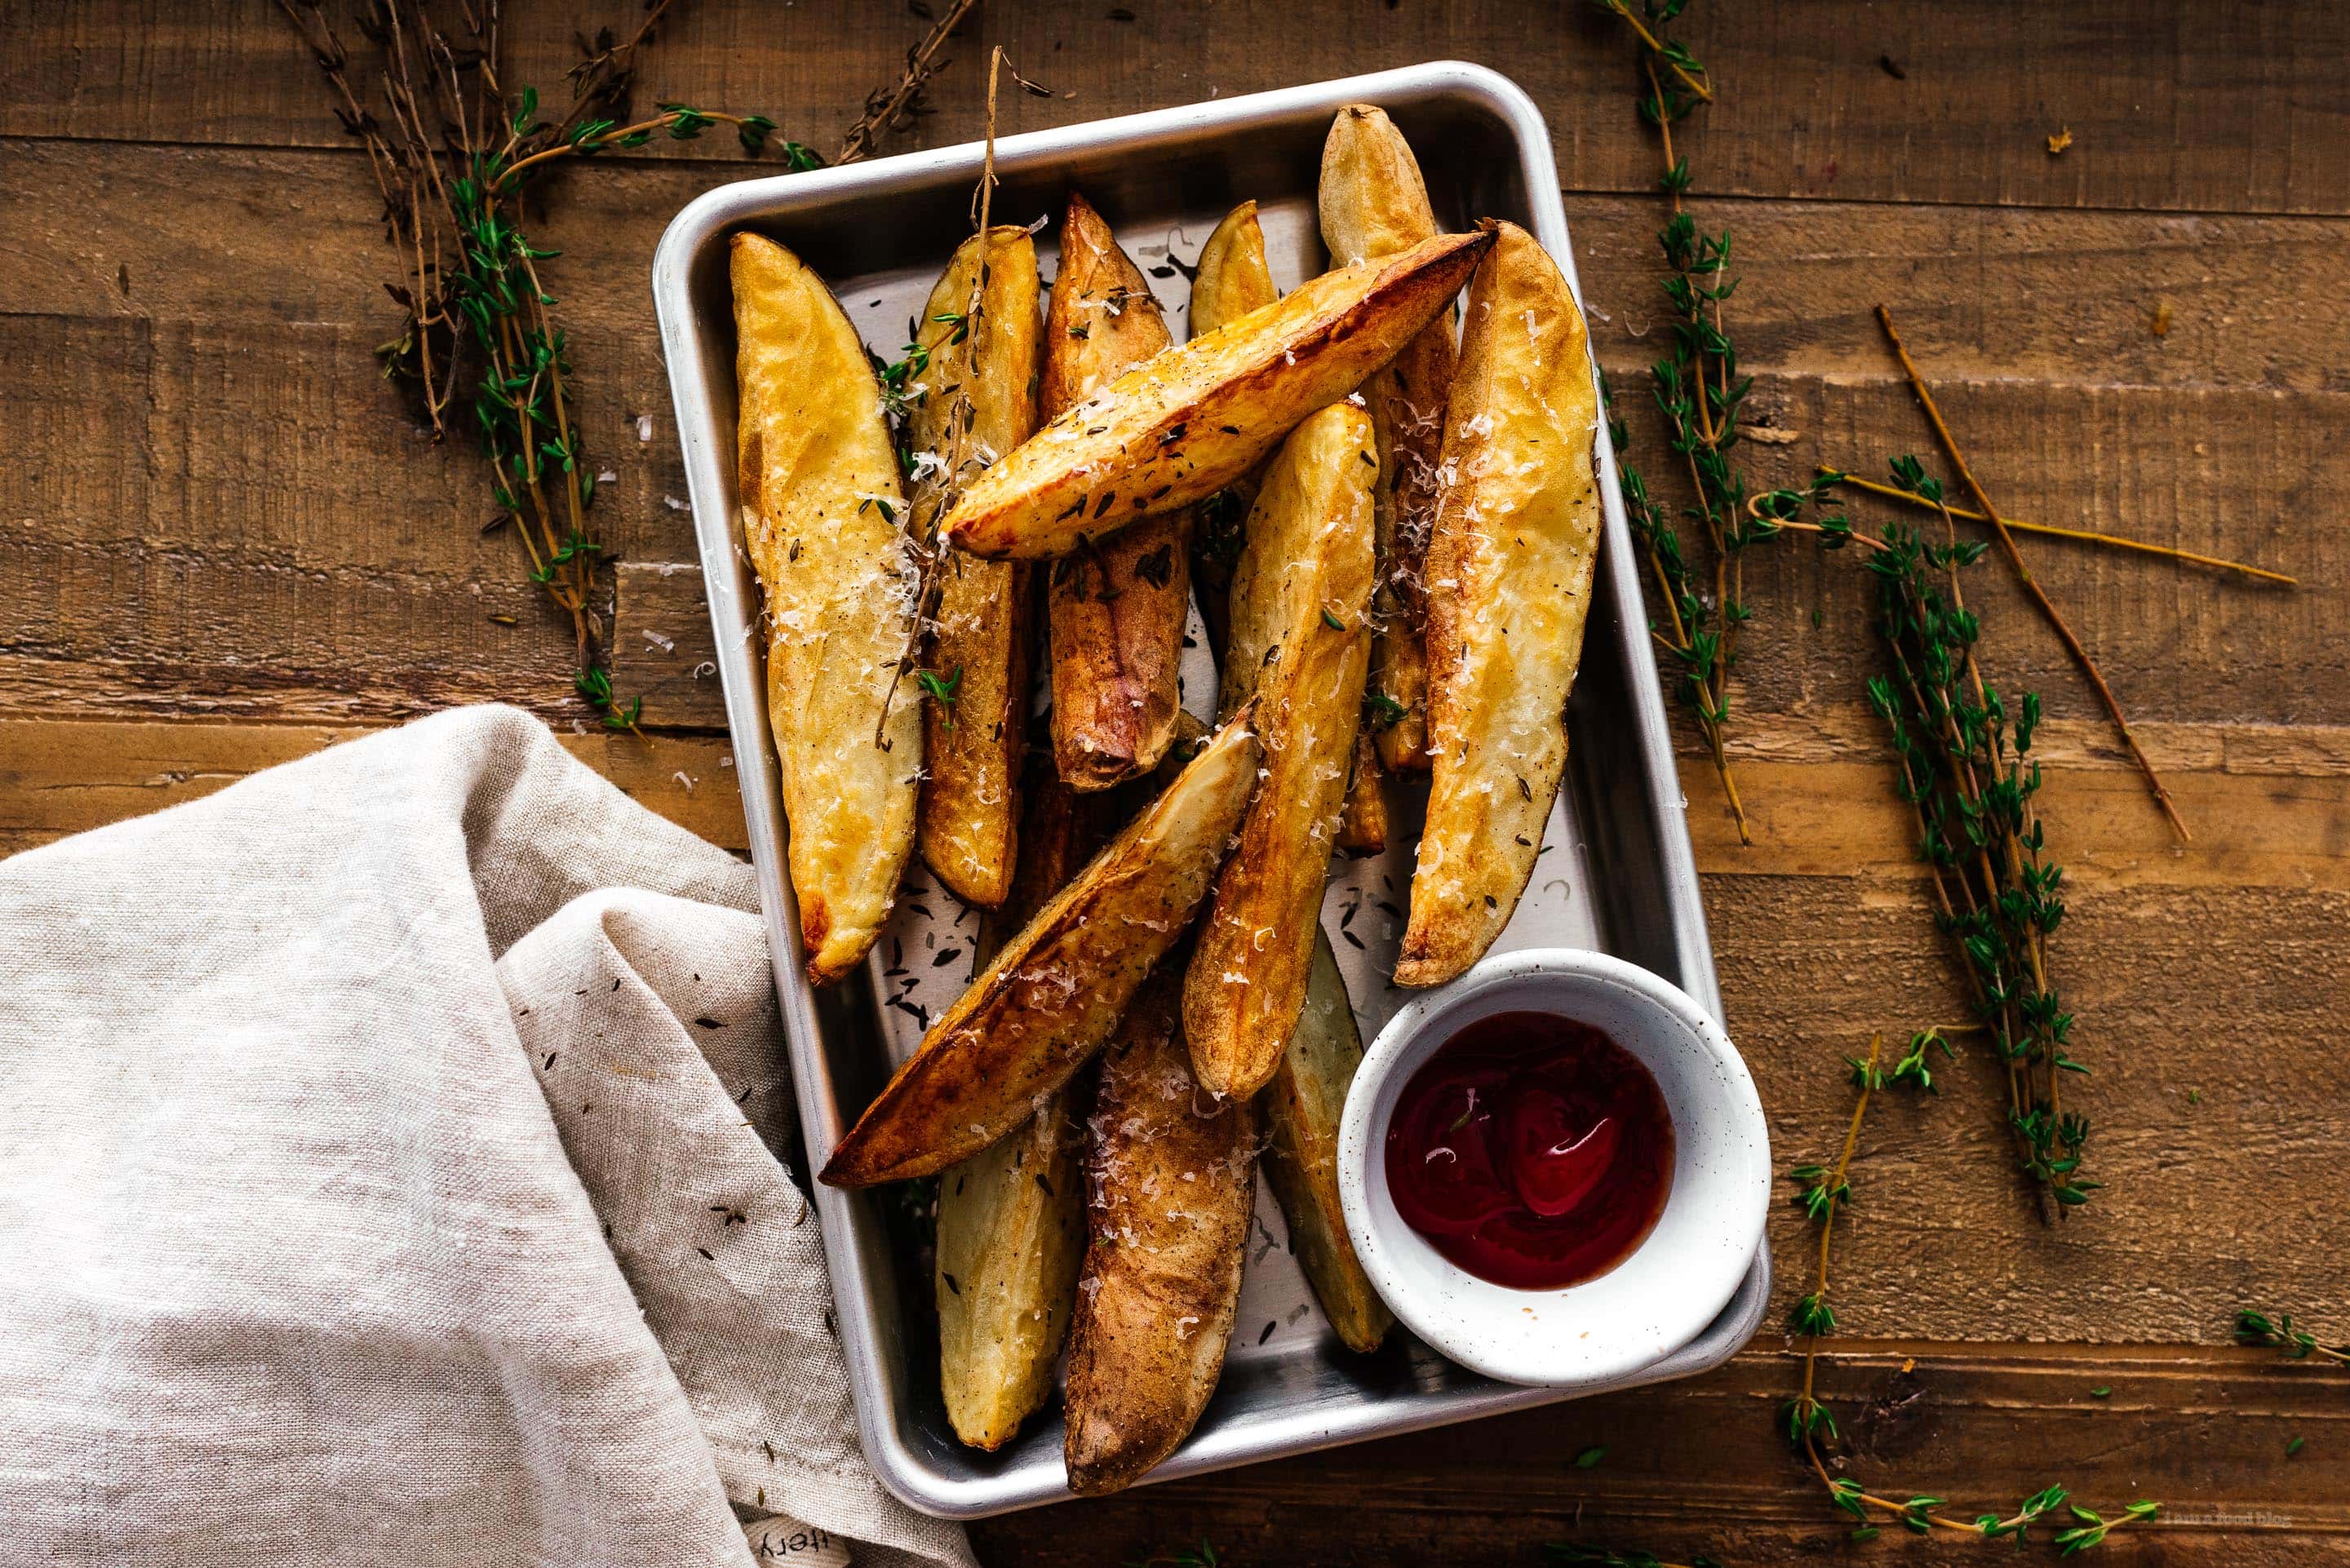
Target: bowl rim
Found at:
1703, 1282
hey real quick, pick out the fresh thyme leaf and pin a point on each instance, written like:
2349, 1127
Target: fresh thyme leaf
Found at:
944, 692
1589, 1456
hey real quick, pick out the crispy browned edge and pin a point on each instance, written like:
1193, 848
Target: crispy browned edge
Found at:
1000, 1048
1115, 612
985, 627
1134, 1392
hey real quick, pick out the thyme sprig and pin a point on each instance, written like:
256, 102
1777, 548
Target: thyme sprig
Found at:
1810, 1426
455, 152
2294, 1343
1963, 765
2031, 584
1698, 391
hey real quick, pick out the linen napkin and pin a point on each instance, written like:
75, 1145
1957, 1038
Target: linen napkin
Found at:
389, 1173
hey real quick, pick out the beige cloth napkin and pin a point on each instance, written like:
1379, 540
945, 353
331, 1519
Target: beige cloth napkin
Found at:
388, 1175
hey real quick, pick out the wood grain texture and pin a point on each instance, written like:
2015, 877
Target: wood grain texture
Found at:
2231, 108
230, 544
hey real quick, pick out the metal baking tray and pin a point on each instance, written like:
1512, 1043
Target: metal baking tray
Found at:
1617, 875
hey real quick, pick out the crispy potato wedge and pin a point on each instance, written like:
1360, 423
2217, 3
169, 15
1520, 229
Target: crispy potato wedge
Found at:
1374, 203
1299, 597
1183, 425
813, 453
1116, 611
968, 822
1010, 1224
1043, 1006
1509, 573
1170, 1191
1300, 1110
1233, 279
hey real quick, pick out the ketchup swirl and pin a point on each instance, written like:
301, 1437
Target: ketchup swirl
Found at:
1530, 1150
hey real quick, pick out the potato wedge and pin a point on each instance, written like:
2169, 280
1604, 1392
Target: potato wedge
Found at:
1374, 203
1171, 1192
1233, 279
813, 460
1183, 425
1509, 574
1298, 600
968, 822
1011, 1234
1300, 1110
1011, 1225
1116, 611
1043, 1006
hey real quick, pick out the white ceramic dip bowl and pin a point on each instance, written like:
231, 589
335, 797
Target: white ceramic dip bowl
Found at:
1681, 1275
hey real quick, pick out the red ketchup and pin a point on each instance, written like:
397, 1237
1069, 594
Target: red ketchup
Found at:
1530, 1150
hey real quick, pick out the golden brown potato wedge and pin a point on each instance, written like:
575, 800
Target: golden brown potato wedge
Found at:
1184, 424
1171, 1183
1116, 611
1233, 279
1043, 1006
1509, 575
1011, 1225
819, 500
1374, 203
1300, 1110
1299, 596
979, 651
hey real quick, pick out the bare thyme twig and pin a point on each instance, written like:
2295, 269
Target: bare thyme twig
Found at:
889, 108
2031, 588
2087, 536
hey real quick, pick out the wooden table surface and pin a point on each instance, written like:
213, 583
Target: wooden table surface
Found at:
228, 544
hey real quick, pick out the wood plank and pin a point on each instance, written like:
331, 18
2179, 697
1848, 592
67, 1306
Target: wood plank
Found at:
2226, 107
1701, 1467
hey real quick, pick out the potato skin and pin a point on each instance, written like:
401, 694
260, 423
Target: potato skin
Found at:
1185, 424
1043, 1006
1115, 611
1374, 203
1010, 1224
1363, 823
1510, 574
1298, 600
1300, 1111
969, 818
812, 448
1171, 1184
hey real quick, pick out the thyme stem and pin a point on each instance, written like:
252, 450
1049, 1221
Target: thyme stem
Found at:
2088, 666
2087, 536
